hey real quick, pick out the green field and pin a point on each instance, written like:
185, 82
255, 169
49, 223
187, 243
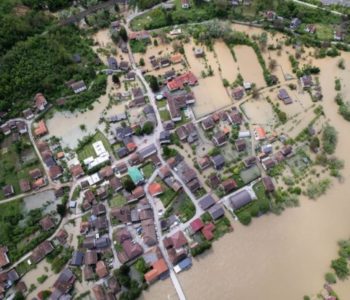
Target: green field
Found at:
16, 160
117, 201
168, 196
147, 170
87, 150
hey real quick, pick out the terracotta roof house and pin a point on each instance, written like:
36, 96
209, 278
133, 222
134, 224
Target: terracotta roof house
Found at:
155, 189
149, 232
179, 240
47, 223
4, 260
228, 185
220, 138
208, 123
240, 199
77, 171
138, 193
235, 117
216, 211
203, 162
88, 273
196, 225
240, 145
206, 202
207, 231
8, 190
115, 184
218, 161
159, 270
250, 161
99, 209
101, 269
214, 180
40, 101
179, 82
132, 250
55, 172
106, 172
164, 172
24, 185
41, 129
90, 258
176, 58
268, 163
113, 285
268, 184
41, 251
62, 236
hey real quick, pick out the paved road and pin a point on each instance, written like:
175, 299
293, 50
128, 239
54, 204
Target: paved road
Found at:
316, 7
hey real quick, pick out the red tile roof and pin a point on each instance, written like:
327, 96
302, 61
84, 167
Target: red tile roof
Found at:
196, 225
179, 239
155, 189
179, 82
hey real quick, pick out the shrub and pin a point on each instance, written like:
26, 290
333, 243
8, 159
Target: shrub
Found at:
329, 139
330, 278
340, 267
245, 218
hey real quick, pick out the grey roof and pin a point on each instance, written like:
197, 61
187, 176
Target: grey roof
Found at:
102, 242
218, 161
240, 199
147, 151
112, 63
77, 259
216, 211
206, 202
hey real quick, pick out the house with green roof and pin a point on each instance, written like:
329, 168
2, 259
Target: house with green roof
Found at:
135, 175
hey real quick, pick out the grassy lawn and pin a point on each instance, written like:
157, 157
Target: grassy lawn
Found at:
147, 170
117, 201
186, 209
161, 103
222, 226
13, 167
167, 197
248, 175
164, 115
324, 32
138, 46
88, 150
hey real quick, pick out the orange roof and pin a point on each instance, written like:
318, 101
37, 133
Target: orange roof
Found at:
161, 266
260, 132
41, 129
151, 276
40, 182
155, 188
176, 58
131, 146
226, 130
60, 155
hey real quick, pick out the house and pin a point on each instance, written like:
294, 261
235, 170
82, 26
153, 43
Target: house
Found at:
240, 145
8, 190
135, 175
77, 171
218, 161
130, 76
41, 251
116, 25
176, 58
164, 62
35, 173
149, 232
266, 149
55, 172
112, 63
179, 82
169, 75
113, 285
131, 250
90, 258
287, 150
106, 172
115, 184
240, 199
216, 211
168, 125
4, 260
165, 137
147, 151
121, 214
220, 138
5, 128
62, 236
283, 95
121, 168
102, 192
338, 35
306, 82
214, 180
21, 127
78, 86
207, 231
268, 184
124, 66
40, 101
139, 35
28, 114
63, 284
185, 4
228, 185
249, 162
41, 129
47, 223
235, 117
137, 194
196, 225
203, 162
311, 28
178, 239
198, 52
101, 269
159, 271
99, 209
295, 23
24, 185
164, 172
77, 259
259, 133
268, 163
238, 93
270, 15
155, 189
208, 123
206, 202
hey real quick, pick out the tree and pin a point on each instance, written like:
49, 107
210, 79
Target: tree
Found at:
128, 184
245, 218
142, 62
148, 127
19, 296
329, 139
272, 64
330, 278
340, 267
115, 79
61, 210
153, 82
123, 34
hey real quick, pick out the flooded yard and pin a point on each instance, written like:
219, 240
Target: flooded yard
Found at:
45, 199
229, 68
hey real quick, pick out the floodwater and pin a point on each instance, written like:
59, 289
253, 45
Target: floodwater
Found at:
210, 93
249, 66
229, 68
283, 257
66, 125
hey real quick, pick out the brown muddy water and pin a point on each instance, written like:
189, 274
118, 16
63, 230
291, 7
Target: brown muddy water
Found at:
282, 257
